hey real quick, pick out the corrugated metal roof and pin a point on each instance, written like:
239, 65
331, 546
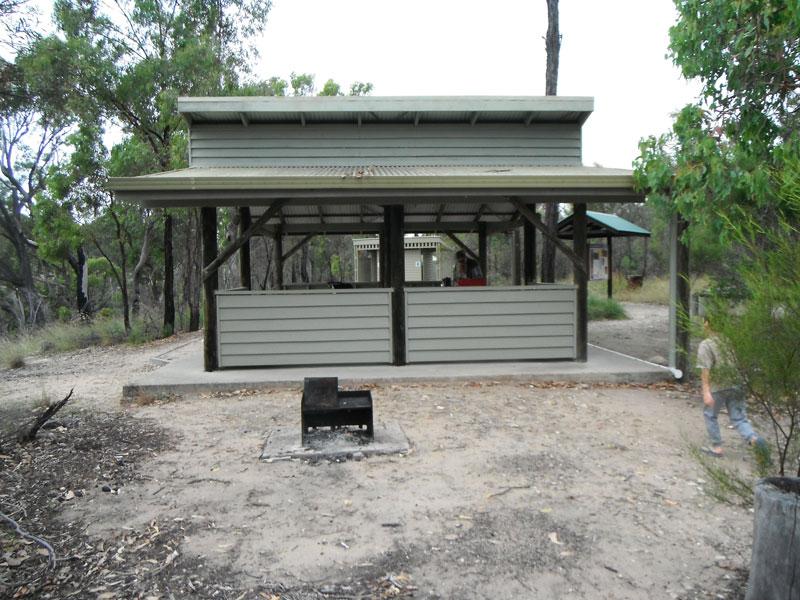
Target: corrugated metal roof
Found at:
367, 109
603, 225
447, 185
195, 178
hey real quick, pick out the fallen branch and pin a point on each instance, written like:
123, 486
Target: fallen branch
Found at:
29, 435
208, 480
51, 563
508, 489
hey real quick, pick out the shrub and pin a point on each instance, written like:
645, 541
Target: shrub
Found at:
763, 330
14, 352
605, 308
64, 314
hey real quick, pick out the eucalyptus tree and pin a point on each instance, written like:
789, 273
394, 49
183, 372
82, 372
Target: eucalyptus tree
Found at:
31, 134
134, 58
730, 166
553, 48
721, 154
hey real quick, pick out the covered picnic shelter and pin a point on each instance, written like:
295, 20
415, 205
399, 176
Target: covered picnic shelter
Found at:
386, 165
608, 227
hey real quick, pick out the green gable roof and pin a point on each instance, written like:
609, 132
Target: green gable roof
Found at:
603, 225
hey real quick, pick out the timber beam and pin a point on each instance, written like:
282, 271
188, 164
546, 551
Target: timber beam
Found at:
242, 239
534, 220
463, 246
297, 246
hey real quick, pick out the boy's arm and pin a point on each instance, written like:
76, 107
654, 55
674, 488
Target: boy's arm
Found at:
705, 378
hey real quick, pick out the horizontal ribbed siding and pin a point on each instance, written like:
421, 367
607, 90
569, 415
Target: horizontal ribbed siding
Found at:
316, 327
390, 144
475, 324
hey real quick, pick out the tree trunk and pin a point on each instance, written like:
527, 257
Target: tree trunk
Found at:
169, 278
144, 255
81, 268
304, 264
548, 248
122, 277
191, 289
553, 47
32, 302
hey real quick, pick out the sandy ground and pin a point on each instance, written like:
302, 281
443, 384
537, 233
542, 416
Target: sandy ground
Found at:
523, 490
644, 335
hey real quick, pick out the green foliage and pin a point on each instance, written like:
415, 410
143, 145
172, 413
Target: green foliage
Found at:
763, 330
64, 314
603, 308
132, 157
274, 86
720, 154
726, 484
745, 54
13, 352
56, 229
357, 88
331, 88
302, 84
336, 267
67, 337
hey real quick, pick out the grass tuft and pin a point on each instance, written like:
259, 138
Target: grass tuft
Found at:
65, 337
605, 308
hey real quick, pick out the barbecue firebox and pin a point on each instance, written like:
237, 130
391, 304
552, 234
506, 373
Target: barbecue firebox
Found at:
323, 405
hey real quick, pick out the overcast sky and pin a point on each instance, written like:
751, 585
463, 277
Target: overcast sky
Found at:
613, 50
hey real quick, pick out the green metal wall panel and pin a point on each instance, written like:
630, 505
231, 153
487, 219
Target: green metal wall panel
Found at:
475, 324
385, 144
308, 327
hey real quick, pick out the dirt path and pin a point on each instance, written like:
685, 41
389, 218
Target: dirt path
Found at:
520, 490
510, 491
644, 335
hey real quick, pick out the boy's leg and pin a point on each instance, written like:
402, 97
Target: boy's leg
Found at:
735, 401
712, 424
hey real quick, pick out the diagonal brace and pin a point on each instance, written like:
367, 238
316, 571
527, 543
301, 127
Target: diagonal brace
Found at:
462, 245
534, 220
297, 246
240, 241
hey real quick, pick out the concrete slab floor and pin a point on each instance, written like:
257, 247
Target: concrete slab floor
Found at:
283, 443
181, 372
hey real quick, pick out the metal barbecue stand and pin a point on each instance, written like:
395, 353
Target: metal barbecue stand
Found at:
323, 405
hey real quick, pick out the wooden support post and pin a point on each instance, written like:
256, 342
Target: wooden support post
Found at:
581, 278
383, 248
610, 257
245, 221
678, 297
529, 251
278, 258
483, 247
397, 275
210, 284
516, 263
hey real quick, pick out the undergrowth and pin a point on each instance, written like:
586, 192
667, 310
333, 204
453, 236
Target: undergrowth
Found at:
654, 290
601, 308
729, 485
58, 337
